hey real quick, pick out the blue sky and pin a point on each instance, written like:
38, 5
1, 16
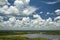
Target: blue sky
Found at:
30, 14
43, 7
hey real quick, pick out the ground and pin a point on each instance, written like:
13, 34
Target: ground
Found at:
14, 35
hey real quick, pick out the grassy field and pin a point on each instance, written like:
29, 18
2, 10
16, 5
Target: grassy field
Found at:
14, 35
10, 37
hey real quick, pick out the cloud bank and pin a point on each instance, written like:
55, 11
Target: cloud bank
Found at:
22, 9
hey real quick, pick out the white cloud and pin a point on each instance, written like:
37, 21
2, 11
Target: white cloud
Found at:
57, 11
18, 9
41, 12
48, 13
37, 16
57, 19
1, 19
54, 2
28, 24
12, 10
21, 8
27, 1
12, 19
18, 2
3, 2
29, 10
50, 2
9, 10
3, 9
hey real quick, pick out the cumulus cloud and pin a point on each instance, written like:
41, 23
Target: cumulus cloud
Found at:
3, 2
28, 24
1, 19
57, 11
9, 10
22, 9
12, 10
29, 10
57, 19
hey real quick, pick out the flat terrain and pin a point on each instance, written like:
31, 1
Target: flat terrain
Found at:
20, 35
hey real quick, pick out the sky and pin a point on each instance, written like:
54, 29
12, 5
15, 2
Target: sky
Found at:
29, 14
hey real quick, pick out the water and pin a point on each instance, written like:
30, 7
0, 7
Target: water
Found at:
53, 37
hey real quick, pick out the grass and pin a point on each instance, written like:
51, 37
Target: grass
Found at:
20, 38
20, 35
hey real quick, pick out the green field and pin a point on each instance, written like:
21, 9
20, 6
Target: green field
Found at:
20, 35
